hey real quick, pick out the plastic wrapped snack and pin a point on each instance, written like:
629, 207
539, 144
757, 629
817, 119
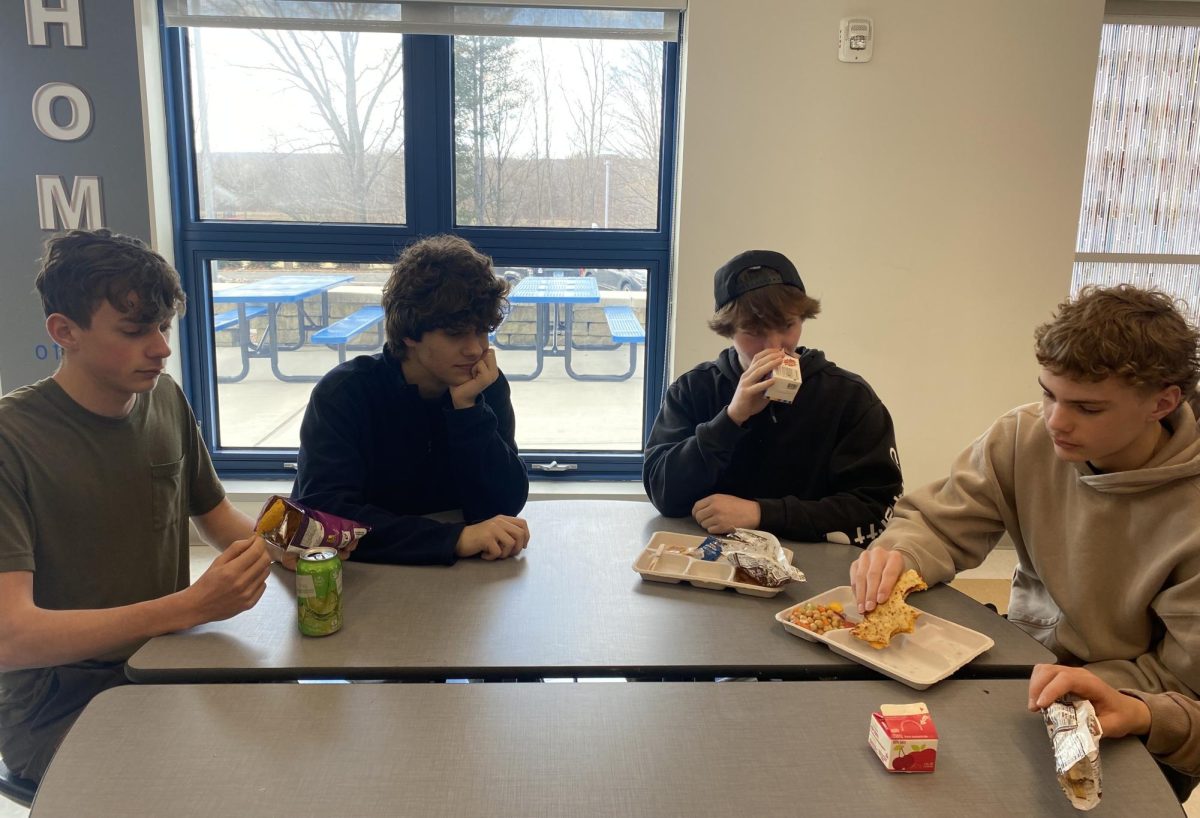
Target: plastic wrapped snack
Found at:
297, 528
760, 557
1075, 734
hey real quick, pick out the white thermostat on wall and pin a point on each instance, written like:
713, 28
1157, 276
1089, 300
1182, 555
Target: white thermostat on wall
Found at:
856, 42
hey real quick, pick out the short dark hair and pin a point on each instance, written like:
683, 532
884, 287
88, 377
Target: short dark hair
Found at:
83, 267
441, 282
1137, 335
768, 307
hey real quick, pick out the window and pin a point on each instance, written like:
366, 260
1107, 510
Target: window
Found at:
323, 110
308, 150
1140, 218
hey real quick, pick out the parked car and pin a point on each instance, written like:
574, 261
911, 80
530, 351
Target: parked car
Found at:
611, 279
512, 274
606, 278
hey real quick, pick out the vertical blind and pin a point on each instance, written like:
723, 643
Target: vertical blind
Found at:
1141, 191
1139, 221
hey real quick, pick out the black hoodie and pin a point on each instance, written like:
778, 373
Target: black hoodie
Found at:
823, 467
372, 450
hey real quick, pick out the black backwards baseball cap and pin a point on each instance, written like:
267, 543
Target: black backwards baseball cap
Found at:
761, 268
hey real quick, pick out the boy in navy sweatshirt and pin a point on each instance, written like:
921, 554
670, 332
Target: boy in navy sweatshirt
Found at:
426, 426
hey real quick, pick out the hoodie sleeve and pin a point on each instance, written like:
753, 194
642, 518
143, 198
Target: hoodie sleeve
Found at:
482, 443
1174, 737
332, 477
686, 454
953, 524
864, 473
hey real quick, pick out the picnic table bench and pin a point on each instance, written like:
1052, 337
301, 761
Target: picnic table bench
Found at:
339, 333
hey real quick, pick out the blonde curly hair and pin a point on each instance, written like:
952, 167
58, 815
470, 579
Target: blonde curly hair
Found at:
1124, 331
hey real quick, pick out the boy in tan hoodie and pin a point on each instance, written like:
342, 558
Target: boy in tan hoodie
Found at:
1099, 488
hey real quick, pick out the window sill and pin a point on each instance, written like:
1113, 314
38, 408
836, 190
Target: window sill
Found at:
250, 494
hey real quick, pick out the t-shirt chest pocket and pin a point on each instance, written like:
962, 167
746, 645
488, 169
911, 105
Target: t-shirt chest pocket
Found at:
166, 489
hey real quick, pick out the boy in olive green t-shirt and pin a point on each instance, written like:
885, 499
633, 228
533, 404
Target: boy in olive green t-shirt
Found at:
101, 465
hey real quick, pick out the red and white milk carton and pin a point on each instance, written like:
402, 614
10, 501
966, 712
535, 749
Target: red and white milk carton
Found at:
787, 380
904, 738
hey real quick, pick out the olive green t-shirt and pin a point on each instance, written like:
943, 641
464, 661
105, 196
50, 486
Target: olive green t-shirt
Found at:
97, 508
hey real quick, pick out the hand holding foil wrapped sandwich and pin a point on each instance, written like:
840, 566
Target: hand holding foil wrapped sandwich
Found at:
1075, 695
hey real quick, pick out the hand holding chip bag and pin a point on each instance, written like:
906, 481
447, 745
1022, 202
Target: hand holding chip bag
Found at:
296, 528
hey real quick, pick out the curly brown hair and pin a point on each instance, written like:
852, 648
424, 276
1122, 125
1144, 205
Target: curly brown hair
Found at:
1135, 334
441, 282
83, 267
764, 308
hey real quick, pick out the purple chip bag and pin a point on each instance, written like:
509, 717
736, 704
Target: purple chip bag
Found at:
297, 528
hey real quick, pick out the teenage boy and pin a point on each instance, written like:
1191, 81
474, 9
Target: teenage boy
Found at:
427, 425
101, 465
823, 467
1169, 722
1097, 486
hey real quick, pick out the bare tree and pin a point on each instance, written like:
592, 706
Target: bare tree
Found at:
490, 96
359, 118
637, 85
540, 154
590, 129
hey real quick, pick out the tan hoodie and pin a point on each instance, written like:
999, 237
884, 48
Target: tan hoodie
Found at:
1174, 736
1108, 570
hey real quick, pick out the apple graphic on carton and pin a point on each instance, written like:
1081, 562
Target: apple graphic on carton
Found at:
920, 758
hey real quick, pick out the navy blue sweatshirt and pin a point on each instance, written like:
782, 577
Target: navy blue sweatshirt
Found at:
372, 450
822, 468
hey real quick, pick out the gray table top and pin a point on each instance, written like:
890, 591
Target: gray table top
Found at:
669, 749
571, 605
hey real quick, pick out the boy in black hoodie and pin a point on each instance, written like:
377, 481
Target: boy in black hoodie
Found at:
821, 468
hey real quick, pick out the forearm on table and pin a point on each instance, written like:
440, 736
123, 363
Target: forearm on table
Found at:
679, 473
409, 540
860, 520
39, 637
1174, 736
494, 481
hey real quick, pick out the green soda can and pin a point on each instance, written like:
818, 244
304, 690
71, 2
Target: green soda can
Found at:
319, 592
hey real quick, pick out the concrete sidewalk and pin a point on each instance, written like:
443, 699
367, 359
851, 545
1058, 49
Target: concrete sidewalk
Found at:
554, 411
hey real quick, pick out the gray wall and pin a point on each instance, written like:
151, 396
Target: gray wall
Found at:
105, 69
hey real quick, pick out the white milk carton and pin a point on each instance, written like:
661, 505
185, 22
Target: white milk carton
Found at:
787, 381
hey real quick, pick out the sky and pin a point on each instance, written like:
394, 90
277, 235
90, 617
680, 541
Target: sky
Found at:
251, 109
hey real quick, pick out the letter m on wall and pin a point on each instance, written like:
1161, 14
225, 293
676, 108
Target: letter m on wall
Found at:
83, 208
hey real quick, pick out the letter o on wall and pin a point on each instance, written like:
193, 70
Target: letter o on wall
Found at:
81, 111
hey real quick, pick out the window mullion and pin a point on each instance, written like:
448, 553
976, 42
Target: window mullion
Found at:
429, 134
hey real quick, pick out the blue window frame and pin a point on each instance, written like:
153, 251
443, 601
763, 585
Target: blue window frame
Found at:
206, 245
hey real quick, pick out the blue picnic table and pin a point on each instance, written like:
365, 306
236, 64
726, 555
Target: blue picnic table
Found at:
269, 295
563, 293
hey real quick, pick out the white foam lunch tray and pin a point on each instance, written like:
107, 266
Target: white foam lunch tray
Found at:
656, 566
936, 648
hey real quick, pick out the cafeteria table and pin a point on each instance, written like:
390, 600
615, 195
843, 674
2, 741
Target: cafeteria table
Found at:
739, 748
569, 606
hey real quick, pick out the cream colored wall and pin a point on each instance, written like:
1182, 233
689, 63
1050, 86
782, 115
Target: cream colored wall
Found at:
929, 197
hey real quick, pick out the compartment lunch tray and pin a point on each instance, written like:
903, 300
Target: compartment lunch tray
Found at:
936, 648
656, 565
